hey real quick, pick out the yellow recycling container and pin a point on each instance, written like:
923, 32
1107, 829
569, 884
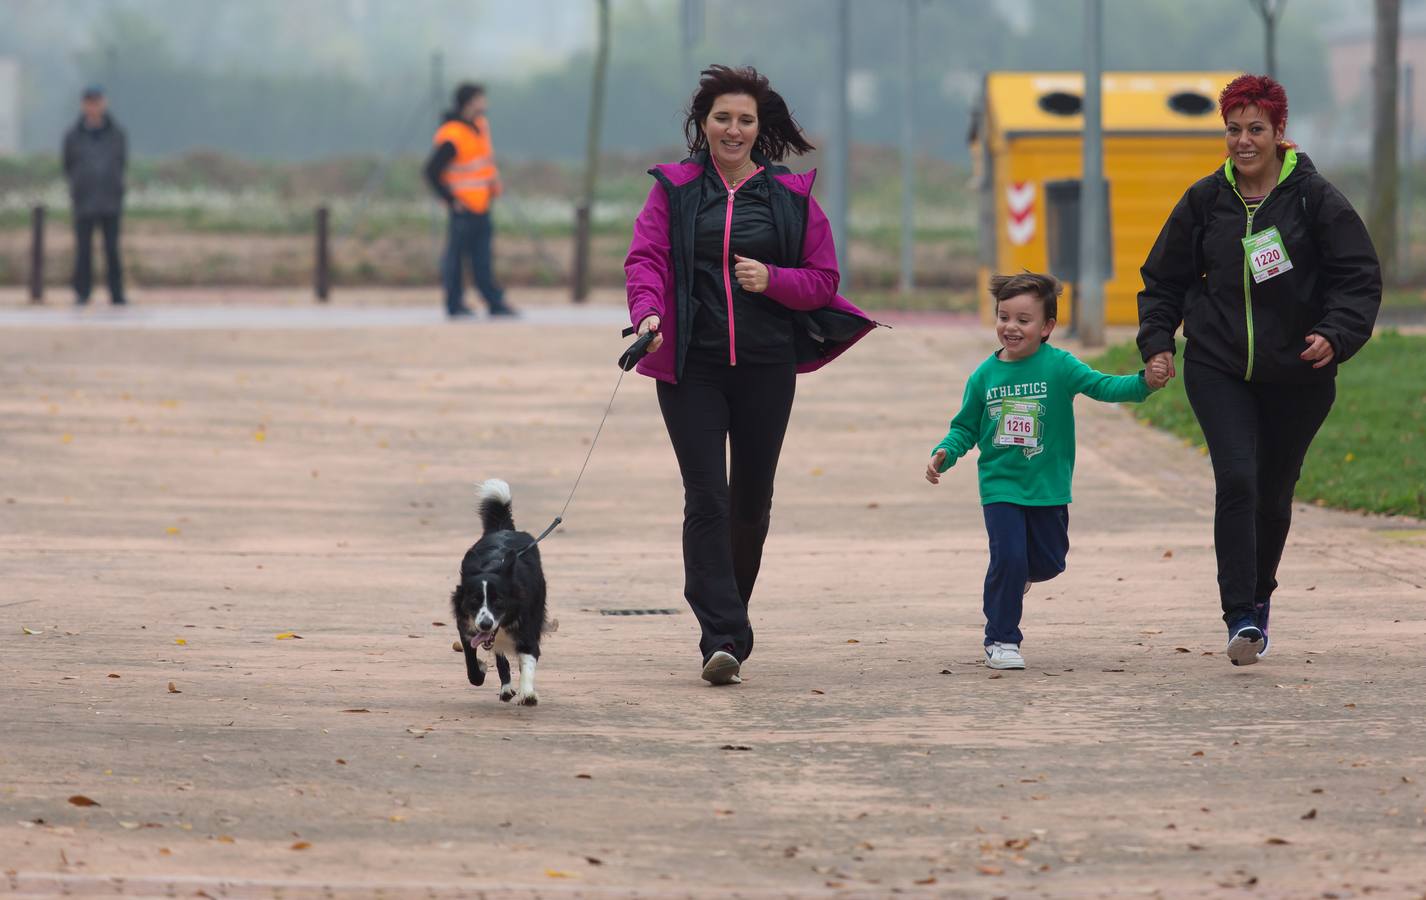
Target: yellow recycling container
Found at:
1162, 132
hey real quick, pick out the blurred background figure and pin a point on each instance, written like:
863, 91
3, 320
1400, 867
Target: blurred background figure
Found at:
96, 151
461, 170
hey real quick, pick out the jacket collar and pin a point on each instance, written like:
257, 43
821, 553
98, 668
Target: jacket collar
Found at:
681, 173
1293, 163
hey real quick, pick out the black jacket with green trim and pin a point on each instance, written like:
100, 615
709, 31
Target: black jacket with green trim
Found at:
1197, 274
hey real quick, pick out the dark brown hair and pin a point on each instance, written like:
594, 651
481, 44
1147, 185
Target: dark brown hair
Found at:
778, 131
1044, 288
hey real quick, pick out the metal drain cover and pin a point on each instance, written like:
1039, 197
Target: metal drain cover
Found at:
638, 612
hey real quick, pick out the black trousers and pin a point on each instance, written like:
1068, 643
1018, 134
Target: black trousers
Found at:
469, 235
1258, 435
84, 256
726, 509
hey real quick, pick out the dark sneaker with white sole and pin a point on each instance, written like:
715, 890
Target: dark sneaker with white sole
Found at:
722, 668
1260, 618
1245, 642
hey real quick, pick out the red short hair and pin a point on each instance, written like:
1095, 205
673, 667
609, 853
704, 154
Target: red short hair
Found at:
1255, 90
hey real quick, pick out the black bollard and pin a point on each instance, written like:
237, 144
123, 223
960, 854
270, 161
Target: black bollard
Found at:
322, 279
37, 255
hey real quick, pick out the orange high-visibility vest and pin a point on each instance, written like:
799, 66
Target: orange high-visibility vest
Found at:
472, 175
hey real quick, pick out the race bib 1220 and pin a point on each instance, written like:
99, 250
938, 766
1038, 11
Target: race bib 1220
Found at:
1266, 256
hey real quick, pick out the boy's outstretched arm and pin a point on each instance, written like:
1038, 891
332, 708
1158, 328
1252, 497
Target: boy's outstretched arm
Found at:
963, 434
1083, 379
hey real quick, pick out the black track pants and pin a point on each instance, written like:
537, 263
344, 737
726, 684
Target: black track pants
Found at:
726, 510
1258, 435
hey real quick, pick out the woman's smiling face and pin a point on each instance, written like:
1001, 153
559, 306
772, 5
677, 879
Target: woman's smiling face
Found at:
732, 129
1252, 141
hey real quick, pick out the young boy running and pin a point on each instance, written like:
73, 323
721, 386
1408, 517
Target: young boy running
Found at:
1019, 409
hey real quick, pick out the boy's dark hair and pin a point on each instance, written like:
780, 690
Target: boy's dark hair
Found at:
1045, 288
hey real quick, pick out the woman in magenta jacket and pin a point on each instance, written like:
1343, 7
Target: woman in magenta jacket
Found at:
732, 265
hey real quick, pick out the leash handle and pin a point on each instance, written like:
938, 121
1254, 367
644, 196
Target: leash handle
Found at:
637, 351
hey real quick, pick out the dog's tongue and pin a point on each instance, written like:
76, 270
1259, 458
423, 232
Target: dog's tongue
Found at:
483, 639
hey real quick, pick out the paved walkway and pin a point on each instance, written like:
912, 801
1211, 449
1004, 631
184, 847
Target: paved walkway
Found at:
172, 505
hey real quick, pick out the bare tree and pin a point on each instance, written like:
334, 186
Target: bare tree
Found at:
585, 210
1381, 199
1270, 11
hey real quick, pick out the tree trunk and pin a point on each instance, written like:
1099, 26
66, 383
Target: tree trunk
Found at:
585, 212
1381, 208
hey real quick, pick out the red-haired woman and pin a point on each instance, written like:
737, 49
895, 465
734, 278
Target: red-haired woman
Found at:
1276, 283
732, 265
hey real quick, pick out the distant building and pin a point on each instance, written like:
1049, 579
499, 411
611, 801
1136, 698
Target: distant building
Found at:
9, 106
1345, 133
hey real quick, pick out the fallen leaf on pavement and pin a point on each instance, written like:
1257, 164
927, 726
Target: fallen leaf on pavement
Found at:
28, 630
594, 860
735, 747
181, 642
989, 870
556, 873
81, 800
359, 709
931, 880
1277, 841
815, 691
225, 839
173, 688
1168, 554
585, 775
1310, 814
112, 675
299, 845
289, 636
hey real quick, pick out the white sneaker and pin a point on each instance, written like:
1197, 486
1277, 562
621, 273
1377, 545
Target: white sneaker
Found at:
722, 668
1004, 656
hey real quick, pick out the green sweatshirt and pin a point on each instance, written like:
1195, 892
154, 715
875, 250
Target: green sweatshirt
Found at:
1021, 414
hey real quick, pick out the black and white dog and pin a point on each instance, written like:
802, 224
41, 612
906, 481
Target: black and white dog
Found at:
500, 603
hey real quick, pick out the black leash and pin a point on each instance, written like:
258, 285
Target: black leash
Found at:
630, 358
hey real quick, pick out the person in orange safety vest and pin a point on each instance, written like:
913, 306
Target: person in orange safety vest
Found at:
461, 170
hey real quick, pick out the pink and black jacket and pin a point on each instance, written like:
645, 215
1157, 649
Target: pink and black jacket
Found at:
660, 266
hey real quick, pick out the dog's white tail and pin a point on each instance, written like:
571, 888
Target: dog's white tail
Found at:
496, 508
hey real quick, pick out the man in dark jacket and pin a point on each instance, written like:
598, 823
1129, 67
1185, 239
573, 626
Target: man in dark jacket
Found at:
95, 153
461, 171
